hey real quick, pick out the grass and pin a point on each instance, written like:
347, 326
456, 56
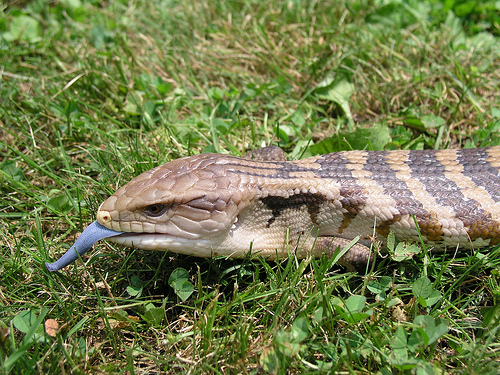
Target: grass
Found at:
93, 94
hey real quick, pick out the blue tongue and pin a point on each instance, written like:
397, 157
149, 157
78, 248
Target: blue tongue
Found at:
93, 233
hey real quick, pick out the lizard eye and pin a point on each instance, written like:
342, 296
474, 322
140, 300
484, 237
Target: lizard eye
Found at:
155, 210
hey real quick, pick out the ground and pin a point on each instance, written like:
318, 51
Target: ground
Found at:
93, 93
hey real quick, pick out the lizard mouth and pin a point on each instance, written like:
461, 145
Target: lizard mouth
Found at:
146, 241
199, 247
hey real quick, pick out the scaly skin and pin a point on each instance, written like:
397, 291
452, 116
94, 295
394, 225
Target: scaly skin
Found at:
212, 204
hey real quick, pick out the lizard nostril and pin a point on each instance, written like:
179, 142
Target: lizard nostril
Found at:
103, 217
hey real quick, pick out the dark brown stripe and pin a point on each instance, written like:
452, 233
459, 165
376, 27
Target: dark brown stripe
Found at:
384, 228
352, 195
479, 224
312, 202
424, 166
394, 187
480, 171
405, 201
430, 172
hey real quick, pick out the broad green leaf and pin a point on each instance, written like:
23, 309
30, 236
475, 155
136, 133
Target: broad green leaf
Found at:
318, 315
74, 9
59, 203
405, 251
164, 88
495, 112
432, 298
432, 121
391, 242
373, 138
432, 330
10, 168
418, 338
355, 303
282, 135
185, 290
491, 316
463, 9
380, 286
338, 91
353, 309
286, 343
300, 329
299, 117
24, 320
269, 360
73, 4
398, 345
24, 28
422, 287
155, 315
179, 281
27, 322
428, 369
221, 125
135, 287
425, 293
216, 93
